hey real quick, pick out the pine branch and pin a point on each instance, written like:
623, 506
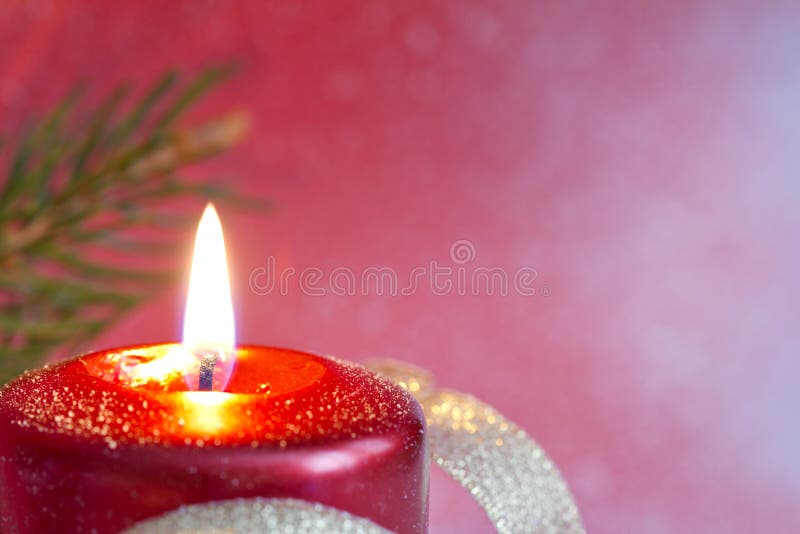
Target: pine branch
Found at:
87, 195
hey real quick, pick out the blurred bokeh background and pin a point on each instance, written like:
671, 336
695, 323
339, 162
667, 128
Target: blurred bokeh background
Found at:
642, 157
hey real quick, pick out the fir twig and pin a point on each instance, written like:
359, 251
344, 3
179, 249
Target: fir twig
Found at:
81, 197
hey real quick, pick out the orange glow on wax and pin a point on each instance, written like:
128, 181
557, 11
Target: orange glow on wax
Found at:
206, 412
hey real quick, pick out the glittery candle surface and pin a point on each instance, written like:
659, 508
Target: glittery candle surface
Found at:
82, 449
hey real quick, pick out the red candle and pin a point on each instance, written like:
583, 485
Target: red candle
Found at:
83, 451
106, 440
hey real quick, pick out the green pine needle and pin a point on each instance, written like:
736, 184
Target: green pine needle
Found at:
87, 195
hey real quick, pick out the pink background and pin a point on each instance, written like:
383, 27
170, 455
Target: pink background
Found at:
643, 157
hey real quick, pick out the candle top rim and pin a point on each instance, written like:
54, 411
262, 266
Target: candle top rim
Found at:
341, 401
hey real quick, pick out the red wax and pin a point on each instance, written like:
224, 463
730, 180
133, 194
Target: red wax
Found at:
83, 448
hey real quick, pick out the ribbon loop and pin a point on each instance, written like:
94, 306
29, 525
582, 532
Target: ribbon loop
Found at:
510, 476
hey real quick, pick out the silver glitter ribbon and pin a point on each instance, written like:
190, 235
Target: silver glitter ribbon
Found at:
510, 476
504, 470
287, 516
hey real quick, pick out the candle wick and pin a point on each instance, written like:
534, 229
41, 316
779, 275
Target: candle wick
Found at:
207, 365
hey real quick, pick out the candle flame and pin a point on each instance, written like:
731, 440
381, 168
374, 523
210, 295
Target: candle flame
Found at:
207, 355
208, 327
208, 321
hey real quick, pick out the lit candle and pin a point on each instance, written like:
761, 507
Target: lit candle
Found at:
103, 441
